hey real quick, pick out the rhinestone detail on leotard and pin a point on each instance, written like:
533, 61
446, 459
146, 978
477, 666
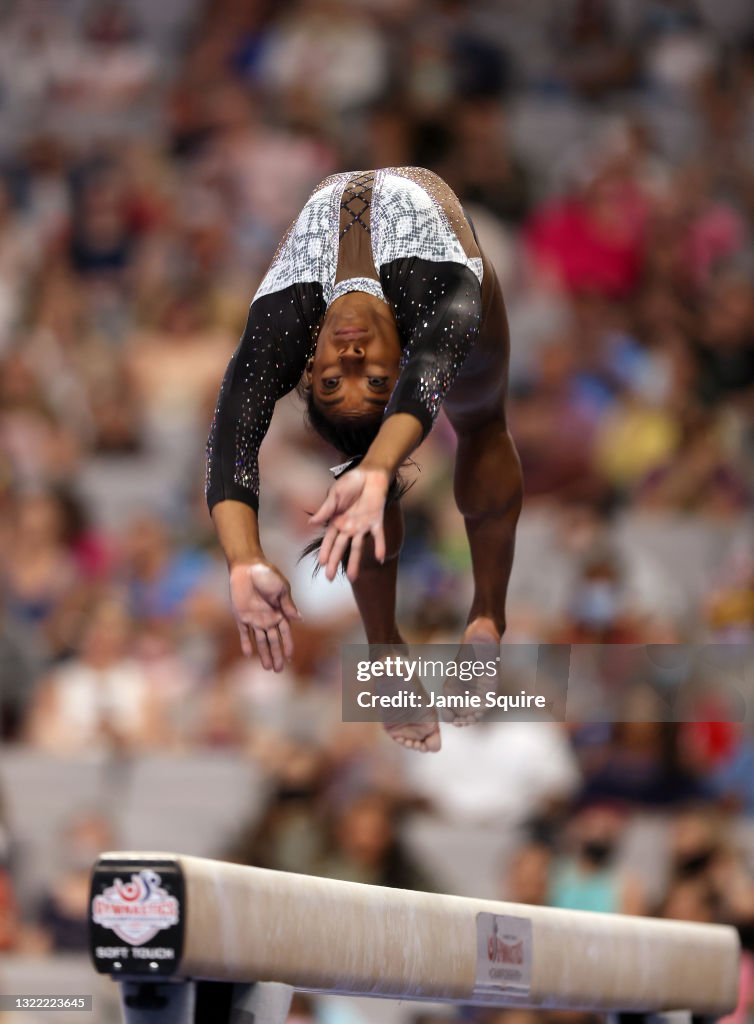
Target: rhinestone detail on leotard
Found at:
406, 220
355, 202
357, 284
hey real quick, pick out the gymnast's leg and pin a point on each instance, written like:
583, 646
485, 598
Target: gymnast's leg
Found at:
488, 492
375, 594
487, 483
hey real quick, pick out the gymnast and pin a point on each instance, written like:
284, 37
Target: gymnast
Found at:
380, 306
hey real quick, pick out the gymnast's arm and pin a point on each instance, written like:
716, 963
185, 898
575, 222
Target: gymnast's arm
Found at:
438, 310
266, 365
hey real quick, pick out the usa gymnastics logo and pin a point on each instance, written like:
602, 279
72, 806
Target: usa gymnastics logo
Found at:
137, 910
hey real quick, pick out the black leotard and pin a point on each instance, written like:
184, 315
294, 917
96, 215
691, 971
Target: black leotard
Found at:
396, 233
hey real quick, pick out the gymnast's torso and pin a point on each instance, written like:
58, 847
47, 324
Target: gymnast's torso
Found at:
401, 235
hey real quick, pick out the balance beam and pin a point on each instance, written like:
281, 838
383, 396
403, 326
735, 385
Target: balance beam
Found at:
157, 917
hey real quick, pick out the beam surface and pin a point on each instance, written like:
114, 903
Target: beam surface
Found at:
245, 924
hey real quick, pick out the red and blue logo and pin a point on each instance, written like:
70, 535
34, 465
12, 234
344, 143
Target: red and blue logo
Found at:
136, 910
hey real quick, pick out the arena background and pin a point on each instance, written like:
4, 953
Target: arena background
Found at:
151, 154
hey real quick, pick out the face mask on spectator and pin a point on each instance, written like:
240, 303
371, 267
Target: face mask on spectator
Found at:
597, 851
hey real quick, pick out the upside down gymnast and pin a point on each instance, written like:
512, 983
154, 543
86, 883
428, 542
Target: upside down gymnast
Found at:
381, 306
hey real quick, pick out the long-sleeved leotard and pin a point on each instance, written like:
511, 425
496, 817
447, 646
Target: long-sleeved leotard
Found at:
399, 234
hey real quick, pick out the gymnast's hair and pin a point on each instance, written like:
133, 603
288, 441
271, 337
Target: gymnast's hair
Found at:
352, 438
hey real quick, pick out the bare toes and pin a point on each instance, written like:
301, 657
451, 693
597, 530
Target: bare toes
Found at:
420, 736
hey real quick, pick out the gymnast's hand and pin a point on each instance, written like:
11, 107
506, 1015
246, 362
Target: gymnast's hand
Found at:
352, 510
264, 608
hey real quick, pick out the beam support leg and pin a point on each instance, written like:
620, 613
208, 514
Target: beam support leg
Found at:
153, 1002
189, 1002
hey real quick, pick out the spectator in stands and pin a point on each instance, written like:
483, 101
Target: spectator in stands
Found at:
599, 611
483, 165
725, 348
527, 875
702, 851
159, 575
40, 446
701, 477
586, 875
110, 66
298, 63
102, 699
593, 57
290, 834
19, 669
63, 910
178, 362
591, 241
641, 763
39, 569
366, 846
730, 607
499, 773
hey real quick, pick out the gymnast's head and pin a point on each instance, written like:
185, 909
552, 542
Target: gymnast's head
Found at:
353, 371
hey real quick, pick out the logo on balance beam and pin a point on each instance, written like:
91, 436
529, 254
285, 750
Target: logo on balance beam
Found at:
136, 919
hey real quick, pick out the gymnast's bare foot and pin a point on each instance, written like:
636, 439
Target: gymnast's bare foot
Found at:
481, 632
414, 728
480, 642
423, 736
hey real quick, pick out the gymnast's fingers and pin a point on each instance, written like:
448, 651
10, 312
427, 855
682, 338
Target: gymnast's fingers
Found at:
287, 638
336, 555
276, 650
263, 648
288, 607
327, 542
378, 533
325, 510
354, 559
246, 646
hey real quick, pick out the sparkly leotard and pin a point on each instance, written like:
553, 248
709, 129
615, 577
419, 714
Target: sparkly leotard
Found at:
399, 234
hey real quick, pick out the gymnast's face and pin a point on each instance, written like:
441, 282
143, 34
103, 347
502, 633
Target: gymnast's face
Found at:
356, 362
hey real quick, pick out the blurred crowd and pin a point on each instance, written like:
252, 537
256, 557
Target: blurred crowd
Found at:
151, 156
